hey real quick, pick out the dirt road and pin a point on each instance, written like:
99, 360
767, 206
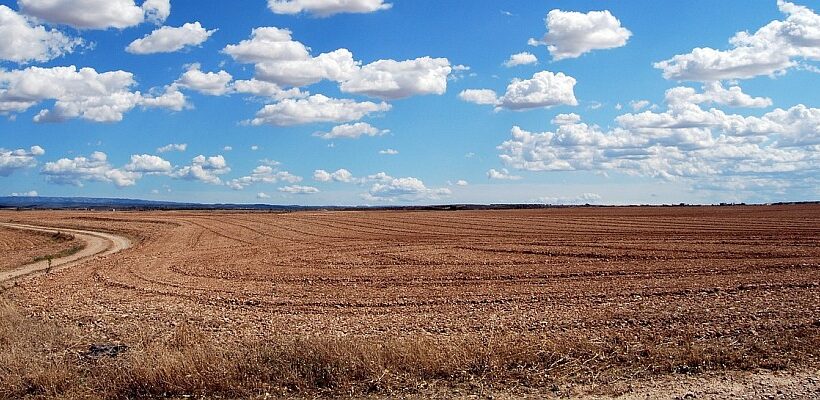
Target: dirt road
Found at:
97, 243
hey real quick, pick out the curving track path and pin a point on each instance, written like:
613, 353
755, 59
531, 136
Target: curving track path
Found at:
97, 243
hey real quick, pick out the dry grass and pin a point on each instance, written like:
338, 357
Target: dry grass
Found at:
60, 254
36, 357
41, 359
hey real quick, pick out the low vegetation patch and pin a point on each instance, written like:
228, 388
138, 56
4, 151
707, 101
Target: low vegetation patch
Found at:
62, 253
41, 359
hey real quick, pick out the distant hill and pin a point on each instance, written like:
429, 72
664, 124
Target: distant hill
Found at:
100, 203
97, 203
37, 202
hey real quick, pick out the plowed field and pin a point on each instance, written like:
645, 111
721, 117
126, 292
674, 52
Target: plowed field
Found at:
613, 291
19, 247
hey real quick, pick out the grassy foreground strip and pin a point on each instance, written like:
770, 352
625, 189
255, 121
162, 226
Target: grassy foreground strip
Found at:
41, 359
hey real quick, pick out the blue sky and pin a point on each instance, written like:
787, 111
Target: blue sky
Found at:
411, 102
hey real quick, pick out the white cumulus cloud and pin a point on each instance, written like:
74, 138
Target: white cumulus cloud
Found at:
404, 189
352, 131
583, 198
715, 93
211, 83
267, 44
545, 89
316, 108
523, 58
503, 174
12, 160
83, 93
298, 189
25, 41
772, 49
263, 174
148, 164
340, 175
336, 65
222, 83
565, 119
384, 188
324, 8
684, 142
170, 39
204, 169
173, 147
280, 60
390, 79
97, 14
156, 11
571, 34
479, 96
75, 171
638, 105
271, 90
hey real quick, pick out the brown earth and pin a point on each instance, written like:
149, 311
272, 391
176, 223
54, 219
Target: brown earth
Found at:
517, 300
88, 244
19, 247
